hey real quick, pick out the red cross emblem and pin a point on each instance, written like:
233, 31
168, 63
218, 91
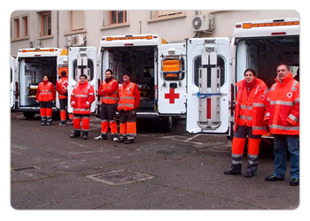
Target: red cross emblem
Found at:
65, 84
171, 96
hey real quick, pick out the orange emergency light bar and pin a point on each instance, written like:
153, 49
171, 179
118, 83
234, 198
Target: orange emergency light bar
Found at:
147, 37
38, 50
267, 24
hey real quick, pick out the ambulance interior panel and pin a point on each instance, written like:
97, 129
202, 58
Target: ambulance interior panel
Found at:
32, 71
264, 54
139, 62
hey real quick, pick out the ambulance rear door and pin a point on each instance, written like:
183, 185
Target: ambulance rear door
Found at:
12, 87
208, 85
172, 79
82, 60
62, 65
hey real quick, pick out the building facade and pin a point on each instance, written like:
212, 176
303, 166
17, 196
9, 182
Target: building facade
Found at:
65, 28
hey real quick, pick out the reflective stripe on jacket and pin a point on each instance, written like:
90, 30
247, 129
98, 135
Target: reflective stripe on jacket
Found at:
126, 98
61, 87
108, 98
45, 92
81, 98
250, 106
283, 107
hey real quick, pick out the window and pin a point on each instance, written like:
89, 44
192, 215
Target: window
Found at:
16, 28
117, 17
220, 63
88, 71
166, 14
46, 24
77, 20
25, 26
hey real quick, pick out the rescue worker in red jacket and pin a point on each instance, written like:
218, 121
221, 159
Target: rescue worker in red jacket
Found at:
82, 96
249, 121
61, 88
128, 102
282, 116
46, 95
108, 92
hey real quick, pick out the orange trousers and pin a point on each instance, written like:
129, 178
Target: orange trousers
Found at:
46, 112
77, 123
238, 145
128, 124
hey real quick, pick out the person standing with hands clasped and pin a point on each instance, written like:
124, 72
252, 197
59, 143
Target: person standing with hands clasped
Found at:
46, 95
82, 97
108, 92
282, 115
249, 121
128, 102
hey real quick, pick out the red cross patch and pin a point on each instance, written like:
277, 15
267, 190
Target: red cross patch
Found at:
172, 96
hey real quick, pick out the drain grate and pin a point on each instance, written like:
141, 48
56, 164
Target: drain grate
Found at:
120, 177
25, 168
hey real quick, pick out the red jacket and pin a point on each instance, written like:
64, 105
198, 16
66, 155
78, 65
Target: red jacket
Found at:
45, 92
282, 109
61, 87
250, 106
128, 96
108, 91
81, 98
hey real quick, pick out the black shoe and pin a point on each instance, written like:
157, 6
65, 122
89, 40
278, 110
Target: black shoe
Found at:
294, 182
272, 178
123, 139
43, 123
85, 137
249, 175
74, 135
129, 141
228, 172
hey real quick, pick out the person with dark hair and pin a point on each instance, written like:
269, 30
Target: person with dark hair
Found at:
82, 96
108, 92
61, 88
46, 95
128, 102
249, 121
282, 116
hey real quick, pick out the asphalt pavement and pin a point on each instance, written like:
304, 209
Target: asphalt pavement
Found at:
160, 171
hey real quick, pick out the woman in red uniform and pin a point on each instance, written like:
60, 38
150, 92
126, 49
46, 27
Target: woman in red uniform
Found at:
46, 95
249, 122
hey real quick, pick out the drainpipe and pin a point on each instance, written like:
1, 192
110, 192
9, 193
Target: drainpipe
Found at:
57, 29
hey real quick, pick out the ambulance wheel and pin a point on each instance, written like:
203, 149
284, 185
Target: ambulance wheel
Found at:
167, 124
29, 115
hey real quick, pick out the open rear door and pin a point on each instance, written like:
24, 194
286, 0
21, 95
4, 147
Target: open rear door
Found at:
13, 89
208, 85
82, 60
172, 79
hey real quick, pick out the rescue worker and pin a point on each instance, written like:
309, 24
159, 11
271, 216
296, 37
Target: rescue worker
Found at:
46, 95
81, 99
282, 115
108, 92
128, 102
61, 88
249, 121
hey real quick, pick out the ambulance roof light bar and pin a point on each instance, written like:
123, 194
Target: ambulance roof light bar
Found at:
129, 37
267, 24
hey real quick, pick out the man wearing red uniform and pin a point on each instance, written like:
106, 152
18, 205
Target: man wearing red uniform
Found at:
61, 88
46, 95
128, 102
82, 96
108, 92
282, 115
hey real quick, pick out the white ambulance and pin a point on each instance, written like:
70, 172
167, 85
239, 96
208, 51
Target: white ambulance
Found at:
159, 69
214, 65
32, 65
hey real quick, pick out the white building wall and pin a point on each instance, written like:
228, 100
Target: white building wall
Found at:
139, 21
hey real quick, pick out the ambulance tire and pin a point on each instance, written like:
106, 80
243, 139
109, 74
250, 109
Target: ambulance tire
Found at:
29, 115
167, 124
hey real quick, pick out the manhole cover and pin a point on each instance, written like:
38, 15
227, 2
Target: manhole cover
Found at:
120, 177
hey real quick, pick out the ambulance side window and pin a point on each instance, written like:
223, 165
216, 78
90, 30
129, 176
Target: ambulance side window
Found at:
220, 63
89, 70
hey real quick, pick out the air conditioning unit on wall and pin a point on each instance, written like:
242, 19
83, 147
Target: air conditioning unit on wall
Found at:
78, 40
203, 23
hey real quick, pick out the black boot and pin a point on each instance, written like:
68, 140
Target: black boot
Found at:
76, 133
